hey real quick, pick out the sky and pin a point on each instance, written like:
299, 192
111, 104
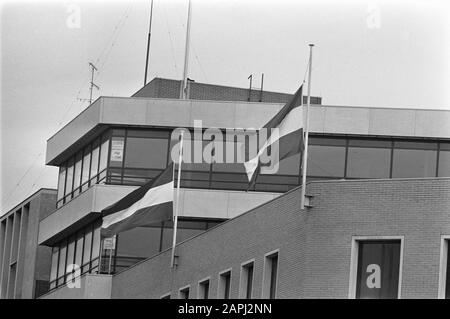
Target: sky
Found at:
392, 53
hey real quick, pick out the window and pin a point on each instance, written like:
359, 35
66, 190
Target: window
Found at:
246, 286
412, 159
103, 162
444, 269
184, 293
77, 173
368, 159
94, 162
444, 160
69, 180
62, 263
376, 268
203, 289
270, 276
224, 285
86, 168
61, 182
81, 249
54, 269
326, 158
166, 296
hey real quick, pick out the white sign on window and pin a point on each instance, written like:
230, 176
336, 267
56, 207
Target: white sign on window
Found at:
117, 150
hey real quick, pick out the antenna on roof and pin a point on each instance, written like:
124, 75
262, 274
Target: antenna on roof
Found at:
92, 84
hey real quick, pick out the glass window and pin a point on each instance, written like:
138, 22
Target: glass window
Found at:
224, 285
87, 250
94, 160
378, 269
247, 281
444, 160
136, 244
184, 293
70, 252
413, 159
146, 152
61, 181
62, 262
79, 249
69, 179
203, 289
86, 167
95, 247
54, 269
270, 276
366, 162
447, 283
326, 161
104, 154
77, 172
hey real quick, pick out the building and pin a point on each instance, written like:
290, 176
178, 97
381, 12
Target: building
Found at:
25, 266
373, 173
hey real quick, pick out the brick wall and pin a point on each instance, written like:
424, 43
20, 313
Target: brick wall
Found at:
170, 89
314, 245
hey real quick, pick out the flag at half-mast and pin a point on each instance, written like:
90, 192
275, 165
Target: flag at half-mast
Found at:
151, 203
290, 122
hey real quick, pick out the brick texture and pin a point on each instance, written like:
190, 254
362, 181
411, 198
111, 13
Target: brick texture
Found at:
314, 245
170, 89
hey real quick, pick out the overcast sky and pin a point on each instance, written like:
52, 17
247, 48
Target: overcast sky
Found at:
367, 53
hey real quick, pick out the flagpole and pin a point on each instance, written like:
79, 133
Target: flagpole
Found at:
184, 84
305, 152
177, 204
148, 42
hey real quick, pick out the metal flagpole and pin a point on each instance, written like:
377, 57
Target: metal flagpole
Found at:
305, 151
177, 204
183, 93
148, 43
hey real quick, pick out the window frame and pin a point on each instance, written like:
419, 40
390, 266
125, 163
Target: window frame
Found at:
355, 257
182, 290
267, 276
219, 284
443, 259
199, 287
243, 286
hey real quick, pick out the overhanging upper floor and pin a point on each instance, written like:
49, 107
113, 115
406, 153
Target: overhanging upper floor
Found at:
151, 112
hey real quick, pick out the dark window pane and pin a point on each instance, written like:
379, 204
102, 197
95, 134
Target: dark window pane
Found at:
61, 181
414, 163
94, 160
447, 284
69, 178
54, 269
146, 153
370, 143
104, 154
87, 250
79, 249
86, 166
62, 263
368, 162
378, 269
326, 141
77, 171
326, 161
136, 244
70, 253
415, 145
444, 163
273, 276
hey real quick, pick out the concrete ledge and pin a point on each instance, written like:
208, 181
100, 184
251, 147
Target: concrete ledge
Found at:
90, 287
